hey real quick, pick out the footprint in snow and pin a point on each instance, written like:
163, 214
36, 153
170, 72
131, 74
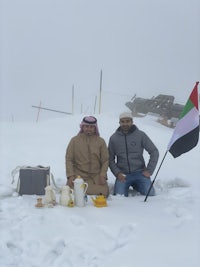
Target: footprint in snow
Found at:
77, 221
14, 249
124, 236
55, 252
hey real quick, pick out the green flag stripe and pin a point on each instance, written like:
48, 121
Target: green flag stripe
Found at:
189, 105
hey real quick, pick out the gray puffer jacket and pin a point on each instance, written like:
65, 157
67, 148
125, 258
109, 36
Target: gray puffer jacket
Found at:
126, 152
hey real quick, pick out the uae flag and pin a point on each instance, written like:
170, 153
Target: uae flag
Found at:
186, 132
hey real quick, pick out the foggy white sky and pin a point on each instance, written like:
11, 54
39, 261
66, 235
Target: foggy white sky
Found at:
143, 46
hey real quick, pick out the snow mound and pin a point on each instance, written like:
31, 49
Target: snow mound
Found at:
6, 191
171, 183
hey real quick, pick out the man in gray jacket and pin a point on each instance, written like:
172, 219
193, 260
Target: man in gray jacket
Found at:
126, 161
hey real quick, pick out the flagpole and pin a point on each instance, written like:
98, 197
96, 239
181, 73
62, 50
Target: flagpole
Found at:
180, 142
155, 177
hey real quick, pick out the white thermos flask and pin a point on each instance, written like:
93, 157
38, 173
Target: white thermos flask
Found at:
80, 188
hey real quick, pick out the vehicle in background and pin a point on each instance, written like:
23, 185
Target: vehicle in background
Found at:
161, 105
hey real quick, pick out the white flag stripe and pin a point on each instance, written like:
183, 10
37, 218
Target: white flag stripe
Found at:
185, 125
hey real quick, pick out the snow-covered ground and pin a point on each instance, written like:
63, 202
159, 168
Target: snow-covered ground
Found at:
164, 231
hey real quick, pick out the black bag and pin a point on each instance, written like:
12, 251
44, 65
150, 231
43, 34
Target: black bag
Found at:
32, 180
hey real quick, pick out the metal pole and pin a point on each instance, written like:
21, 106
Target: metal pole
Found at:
100, 91
73, 99
95, 103
155, 177
38, 111
52, 110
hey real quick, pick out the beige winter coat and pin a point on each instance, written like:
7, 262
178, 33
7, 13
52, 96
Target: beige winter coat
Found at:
88, 157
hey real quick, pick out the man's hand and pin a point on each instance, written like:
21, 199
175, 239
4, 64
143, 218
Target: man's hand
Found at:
102, 180
121, 177
70, 181
146, 174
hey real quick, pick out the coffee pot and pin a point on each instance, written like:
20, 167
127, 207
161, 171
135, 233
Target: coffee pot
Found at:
100, 201
50, 197
66, 196
80, 188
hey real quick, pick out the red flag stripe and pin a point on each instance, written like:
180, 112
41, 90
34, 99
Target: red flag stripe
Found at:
194, 96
